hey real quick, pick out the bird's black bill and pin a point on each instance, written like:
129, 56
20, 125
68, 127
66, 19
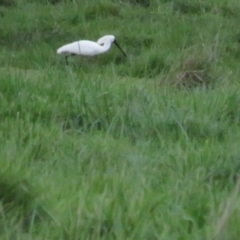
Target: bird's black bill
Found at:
120, 48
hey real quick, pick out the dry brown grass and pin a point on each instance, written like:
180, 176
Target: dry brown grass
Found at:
194, 71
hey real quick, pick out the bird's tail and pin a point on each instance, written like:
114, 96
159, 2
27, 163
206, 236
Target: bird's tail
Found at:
63, 49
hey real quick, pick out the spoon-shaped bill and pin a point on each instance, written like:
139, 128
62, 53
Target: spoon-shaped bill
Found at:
120, 48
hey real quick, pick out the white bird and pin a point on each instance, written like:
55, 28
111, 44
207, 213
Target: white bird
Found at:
89, 48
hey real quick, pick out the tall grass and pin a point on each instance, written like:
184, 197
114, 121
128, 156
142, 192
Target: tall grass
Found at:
140, 148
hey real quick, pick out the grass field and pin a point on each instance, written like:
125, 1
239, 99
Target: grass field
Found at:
141, 148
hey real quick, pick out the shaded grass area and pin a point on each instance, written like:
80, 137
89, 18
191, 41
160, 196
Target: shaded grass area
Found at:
138, 148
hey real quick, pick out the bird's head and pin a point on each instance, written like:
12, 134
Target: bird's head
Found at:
112, 39
104, 39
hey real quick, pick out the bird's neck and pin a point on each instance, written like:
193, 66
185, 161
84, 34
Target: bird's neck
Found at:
106, 46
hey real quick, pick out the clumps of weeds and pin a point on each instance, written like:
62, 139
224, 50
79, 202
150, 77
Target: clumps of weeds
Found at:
194, 71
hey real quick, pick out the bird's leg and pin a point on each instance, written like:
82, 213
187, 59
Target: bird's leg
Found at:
66, 57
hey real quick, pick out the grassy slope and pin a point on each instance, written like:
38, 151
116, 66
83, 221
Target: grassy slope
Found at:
115, 149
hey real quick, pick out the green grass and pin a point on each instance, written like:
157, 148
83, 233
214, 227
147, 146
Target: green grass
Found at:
140, 148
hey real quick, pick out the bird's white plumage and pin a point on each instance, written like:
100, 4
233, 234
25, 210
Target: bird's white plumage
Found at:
86, 47
104, 39
89, 48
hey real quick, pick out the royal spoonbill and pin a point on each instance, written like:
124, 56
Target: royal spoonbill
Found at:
89, 48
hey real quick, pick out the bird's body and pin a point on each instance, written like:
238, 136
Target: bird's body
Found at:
84, 48
89, 48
